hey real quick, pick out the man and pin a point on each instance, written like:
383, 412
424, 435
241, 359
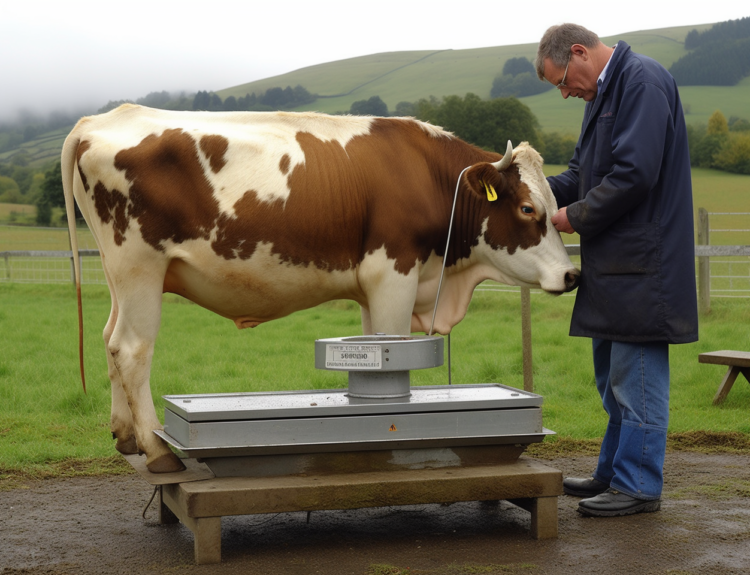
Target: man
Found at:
627, 192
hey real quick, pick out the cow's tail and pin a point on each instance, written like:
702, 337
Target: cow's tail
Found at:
68, 165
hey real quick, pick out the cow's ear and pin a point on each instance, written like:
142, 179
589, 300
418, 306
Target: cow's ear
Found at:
485, 181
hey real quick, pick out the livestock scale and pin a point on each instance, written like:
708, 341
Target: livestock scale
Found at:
380, 442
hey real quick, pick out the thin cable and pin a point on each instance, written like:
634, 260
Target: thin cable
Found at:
156, 488
447, 245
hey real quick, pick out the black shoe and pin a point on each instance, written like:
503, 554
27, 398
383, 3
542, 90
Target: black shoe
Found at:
613, 503
583, 487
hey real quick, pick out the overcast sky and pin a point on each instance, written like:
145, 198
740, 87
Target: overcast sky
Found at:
77, 53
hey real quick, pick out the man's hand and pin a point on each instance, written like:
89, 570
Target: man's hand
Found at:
561, 223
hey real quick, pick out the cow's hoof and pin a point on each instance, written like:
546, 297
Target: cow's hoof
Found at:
167, 463
127, 446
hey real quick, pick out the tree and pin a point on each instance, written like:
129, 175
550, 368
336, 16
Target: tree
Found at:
9, 192
738, 124
518, 86
372, 107
155, 99
52, 196
485, 123
406, 109
717, 124
202, 100
214, 103
734, 154
558, 149
515, 66
230, 104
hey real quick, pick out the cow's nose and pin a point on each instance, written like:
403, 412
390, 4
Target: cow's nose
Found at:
572, 278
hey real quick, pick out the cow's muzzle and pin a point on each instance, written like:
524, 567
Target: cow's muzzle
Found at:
572, 279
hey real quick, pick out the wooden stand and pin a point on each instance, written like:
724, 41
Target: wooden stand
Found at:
738, 362
200, 504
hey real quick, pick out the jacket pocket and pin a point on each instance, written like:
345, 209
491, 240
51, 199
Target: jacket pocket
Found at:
625, 248
603, 158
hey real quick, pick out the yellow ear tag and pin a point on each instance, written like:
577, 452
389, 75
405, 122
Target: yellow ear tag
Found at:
491, 194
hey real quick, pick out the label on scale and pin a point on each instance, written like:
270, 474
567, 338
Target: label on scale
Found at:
353, 356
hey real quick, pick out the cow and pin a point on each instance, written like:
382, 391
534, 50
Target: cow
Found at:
255, 215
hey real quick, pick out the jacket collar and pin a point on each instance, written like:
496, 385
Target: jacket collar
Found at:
615, 65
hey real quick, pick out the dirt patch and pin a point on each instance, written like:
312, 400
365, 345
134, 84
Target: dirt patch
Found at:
93, 525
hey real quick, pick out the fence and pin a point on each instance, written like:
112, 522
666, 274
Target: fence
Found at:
50, 267
723, 270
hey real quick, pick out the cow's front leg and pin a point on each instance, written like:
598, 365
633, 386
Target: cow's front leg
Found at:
390, 297
131, 347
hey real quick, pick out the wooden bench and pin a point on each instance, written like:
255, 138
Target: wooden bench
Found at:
200, 505
738, 362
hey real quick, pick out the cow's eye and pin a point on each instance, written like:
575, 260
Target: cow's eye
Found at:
527, 209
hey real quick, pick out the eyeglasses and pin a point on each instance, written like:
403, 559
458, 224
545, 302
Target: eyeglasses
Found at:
565, 75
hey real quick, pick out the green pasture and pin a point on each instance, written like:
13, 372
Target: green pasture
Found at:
45, 417
22, 238
24, 214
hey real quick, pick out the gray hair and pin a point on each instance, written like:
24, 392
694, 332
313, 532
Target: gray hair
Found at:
556, 43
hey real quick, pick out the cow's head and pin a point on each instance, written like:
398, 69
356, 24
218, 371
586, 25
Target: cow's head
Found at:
518, 239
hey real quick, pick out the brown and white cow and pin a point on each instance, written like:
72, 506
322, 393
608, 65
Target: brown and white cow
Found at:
257, 215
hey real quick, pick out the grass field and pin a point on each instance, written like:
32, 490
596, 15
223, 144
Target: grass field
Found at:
46, 418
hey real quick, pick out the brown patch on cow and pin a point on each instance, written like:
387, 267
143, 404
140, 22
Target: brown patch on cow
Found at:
82, 147
284, 164
215, 147
392, 189
169, 194
112, 207
320, 223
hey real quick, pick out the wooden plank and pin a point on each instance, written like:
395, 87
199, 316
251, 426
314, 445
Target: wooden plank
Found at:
726, 357
524, 478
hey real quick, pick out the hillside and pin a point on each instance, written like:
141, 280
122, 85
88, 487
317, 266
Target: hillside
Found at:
409, 76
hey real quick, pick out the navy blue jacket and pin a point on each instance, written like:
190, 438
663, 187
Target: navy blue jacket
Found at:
629, 196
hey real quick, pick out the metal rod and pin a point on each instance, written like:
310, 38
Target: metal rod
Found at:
450, 380
447, 245
528, 372
704, 269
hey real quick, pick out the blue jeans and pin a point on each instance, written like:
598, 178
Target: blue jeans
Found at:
633, 381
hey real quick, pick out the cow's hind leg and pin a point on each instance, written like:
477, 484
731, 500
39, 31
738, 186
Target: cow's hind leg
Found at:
130, 349
121, 420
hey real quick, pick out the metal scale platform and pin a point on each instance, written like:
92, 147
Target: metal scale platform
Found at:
380, 442
379, 410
